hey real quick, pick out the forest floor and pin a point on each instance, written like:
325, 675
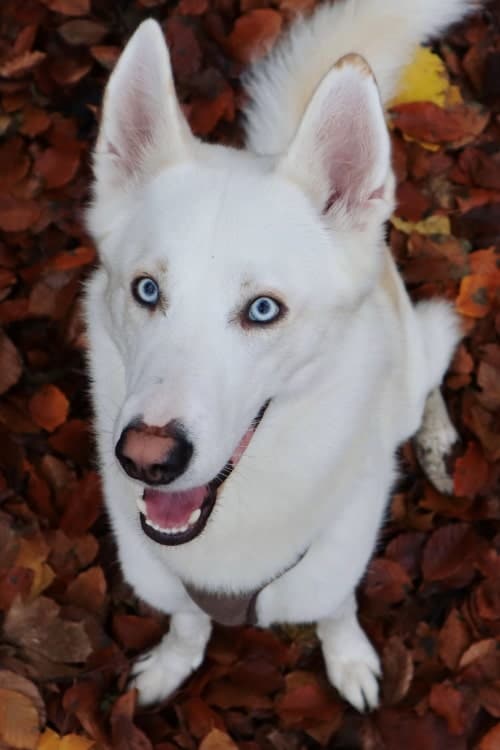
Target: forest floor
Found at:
430, 600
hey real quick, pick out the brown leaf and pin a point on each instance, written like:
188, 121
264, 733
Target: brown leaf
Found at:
254, 34
193, 7
88, 590
425, 121
69, 7
126, 736
386, 581
21, 64
471, 472
489, 698
11, 366
83, 505
38, 627
491, 740
137, 633
452, 705
403, 729
83, 32
106, 55
450, 550
57, 167
217, 740
19, 720
49, 407
454, 639
184, 48
200, 718
304, 699
397, 667
16, 215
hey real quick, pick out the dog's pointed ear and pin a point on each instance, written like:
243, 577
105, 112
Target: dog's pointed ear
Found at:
142, 127
340, 154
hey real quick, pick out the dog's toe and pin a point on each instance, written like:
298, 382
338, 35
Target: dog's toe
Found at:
357, 682
354, 668
158, 673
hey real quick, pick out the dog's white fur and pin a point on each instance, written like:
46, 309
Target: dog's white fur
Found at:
299, 214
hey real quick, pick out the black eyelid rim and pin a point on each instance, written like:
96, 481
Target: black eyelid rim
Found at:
247, 322
134, 284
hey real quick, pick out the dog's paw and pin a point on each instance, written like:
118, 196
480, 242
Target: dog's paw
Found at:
355, 678
158, 673
352, 664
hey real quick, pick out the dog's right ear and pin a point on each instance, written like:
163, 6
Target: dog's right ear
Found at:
142, 129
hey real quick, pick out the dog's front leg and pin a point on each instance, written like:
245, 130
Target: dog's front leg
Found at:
351, 661
163, 669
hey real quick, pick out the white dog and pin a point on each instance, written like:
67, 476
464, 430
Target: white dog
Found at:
255, 358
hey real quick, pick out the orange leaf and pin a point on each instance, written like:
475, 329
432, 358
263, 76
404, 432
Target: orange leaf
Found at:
217, 740
476, 294
49, 407
254, 34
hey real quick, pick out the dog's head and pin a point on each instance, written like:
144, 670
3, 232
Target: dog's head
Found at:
226, 277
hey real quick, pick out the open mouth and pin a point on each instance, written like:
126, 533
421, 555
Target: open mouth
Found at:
173, 518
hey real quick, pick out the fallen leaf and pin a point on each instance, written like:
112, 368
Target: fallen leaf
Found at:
254, 34
425, 79
49, 407
83, 32
11, 366
69, 7
38, 627
19, 720
217, 740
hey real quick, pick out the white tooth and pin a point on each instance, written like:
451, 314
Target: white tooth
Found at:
172, 530
194, 516
141, 505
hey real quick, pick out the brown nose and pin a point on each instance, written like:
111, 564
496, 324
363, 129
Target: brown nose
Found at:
154, 455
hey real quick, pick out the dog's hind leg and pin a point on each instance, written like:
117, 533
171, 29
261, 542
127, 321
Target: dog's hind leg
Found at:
352, 663
434, 442
163, 669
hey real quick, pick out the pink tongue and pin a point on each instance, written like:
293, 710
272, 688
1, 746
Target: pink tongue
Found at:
173, 509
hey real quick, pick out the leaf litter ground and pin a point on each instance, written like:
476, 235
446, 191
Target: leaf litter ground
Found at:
431, 597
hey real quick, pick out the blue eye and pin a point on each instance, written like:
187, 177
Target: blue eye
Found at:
263, 310
146, 291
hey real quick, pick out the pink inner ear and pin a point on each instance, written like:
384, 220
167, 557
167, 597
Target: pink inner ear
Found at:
136, 121
350, 141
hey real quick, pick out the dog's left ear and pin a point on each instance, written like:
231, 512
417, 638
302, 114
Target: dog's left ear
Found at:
340, 154
142, 128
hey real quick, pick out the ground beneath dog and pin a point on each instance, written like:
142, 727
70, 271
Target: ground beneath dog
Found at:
430, 600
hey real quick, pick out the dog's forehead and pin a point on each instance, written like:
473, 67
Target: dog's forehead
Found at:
224, 212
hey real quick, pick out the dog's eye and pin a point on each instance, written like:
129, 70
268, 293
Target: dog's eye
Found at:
146, 291
263, 310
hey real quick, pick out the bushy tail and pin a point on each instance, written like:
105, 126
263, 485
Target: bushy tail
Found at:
384, 32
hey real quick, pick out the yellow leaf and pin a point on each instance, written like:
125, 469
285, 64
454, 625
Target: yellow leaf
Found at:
425, 79
49, 740
430, 225
52, 741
